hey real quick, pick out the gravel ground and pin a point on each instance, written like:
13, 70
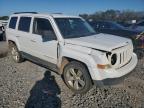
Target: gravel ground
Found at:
3, 49
27, 85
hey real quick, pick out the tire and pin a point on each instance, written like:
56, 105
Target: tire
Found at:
15, 54
77, 78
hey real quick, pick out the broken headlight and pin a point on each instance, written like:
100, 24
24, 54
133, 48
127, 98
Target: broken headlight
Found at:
112, 58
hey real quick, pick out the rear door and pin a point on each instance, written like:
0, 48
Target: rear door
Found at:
23, 33
11, 28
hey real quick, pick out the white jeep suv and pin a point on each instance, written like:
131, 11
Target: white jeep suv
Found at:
69, 46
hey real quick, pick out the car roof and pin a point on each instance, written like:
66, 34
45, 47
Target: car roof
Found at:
54, 15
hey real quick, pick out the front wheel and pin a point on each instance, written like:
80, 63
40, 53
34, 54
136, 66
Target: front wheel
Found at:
77, 78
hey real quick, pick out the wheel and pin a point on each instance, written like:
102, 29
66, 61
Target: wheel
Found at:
77, 78
16, 56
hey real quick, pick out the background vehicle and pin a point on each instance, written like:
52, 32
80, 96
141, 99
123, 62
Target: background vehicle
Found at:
68, 45
113, 28
3, 24
139, 45
139, 26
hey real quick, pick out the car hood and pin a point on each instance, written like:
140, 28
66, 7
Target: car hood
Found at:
104, 42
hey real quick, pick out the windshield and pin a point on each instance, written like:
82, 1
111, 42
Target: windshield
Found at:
74, 27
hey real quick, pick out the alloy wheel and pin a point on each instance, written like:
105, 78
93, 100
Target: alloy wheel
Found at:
75, 78
15, 54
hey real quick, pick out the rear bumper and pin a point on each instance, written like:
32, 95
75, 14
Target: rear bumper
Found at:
114, 76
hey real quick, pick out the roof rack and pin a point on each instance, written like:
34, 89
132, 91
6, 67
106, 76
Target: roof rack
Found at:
25, 12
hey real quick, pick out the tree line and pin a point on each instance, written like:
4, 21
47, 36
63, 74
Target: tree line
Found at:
115, 15
112, 15
4, 17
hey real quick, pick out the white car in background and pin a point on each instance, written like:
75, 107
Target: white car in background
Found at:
68, 45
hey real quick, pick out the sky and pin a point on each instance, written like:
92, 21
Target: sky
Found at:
72, 7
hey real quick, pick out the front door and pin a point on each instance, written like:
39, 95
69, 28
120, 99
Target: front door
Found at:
43, 40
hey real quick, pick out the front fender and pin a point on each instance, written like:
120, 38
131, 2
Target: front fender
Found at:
87, 59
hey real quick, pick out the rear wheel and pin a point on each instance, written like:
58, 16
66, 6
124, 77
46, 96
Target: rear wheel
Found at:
77, 78
15, 54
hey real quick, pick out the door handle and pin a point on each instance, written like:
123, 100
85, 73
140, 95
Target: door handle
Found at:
33, 41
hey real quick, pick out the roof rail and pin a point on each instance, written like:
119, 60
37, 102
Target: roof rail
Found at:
25, 12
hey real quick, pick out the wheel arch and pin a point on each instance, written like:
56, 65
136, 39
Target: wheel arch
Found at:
14, 42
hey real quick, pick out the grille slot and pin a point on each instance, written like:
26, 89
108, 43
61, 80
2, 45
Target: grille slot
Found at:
124, 57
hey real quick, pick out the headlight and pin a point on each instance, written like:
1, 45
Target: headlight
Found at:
112, 58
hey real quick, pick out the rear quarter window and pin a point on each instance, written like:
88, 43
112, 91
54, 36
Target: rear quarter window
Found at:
13, 22
24, 24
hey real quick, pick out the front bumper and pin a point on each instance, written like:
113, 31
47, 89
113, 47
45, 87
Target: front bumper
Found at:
114, 76
110, 81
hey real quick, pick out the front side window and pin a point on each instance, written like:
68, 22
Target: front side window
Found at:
24, 24
74, 27
44, 28
12, 23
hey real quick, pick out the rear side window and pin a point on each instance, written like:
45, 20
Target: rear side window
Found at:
12, 23
24, 24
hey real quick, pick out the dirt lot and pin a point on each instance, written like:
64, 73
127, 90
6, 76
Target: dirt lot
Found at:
31, 86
